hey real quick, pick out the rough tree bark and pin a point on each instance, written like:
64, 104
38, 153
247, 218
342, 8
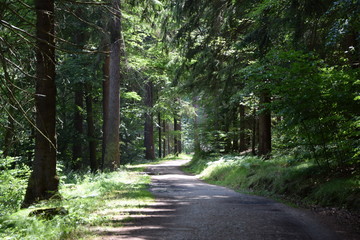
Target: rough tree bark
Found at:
43, 182
112, 145
149, 127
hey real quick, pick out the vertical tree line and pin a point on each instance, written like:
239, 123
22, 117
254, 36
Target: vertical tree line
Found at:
220, 76
43, 182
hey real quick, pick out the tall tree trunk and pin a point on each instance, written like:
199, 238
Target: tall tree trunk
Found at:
227, 139
197, 146
235, 135
164, 141
78, 127
43, 182
233, 131
105, 100
264, 149
176, 150
149, 127
242, 146
179, 143
159, 129
80, 39
168, 137
112, 145
254, 133
91, 129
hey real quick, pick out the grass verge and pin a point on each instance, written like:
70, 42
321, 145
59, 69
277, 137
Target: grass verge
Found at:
304, 184
89, 199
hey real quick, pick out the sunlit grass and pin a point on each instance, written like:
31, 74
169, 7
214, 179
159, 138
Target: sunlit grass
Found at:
90, 199
280, 178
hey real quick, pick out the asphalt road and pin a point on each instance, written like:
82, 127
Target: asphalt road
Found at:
187, 208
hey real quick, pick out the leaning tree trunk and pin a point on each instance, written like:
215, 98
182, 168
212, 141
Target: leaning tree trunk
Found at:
112, 145
149, 127
264, 149
43, 182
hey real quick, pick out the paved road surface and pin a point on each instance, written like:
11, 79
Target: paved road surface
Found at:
187, 208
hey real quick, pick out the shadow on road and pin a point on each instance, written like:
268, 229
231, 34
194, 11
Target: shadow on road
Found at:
187, 208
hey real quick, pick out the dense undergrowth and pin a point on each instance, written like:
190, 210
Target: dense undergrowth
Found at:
88, 200
304, 183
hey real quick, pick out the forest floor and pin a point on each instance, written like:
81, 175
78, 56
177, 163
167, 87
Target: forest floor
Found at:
187, 208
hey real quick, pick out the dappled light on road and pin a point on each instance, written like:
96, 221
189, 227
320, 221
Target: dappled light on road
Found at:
187, 208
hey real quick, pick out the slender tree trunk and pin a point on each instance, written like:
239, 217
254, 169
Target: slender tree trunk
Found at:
176, 150
164, 141
106, 67
234, 132
264, 149
78, 127
242, 146
168, 137
43, 182
197, 146
159, 129
254, 133
112, 141
179, 143
91, 129
228, 144
149, 127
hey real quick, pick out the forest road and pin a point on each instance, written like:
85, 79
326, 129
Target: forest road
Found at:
187, 208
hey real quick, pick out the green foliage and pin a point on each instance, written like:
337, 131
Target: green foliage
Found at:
319, 90
13, 179
89, 199
304, 183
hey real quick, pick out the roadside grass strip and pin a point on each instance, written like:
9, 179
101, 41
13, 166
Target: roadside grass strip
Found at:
282, 178
88, 200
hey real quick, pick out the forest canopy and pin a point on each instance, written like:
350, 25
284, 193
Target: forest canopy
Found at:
91, 85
